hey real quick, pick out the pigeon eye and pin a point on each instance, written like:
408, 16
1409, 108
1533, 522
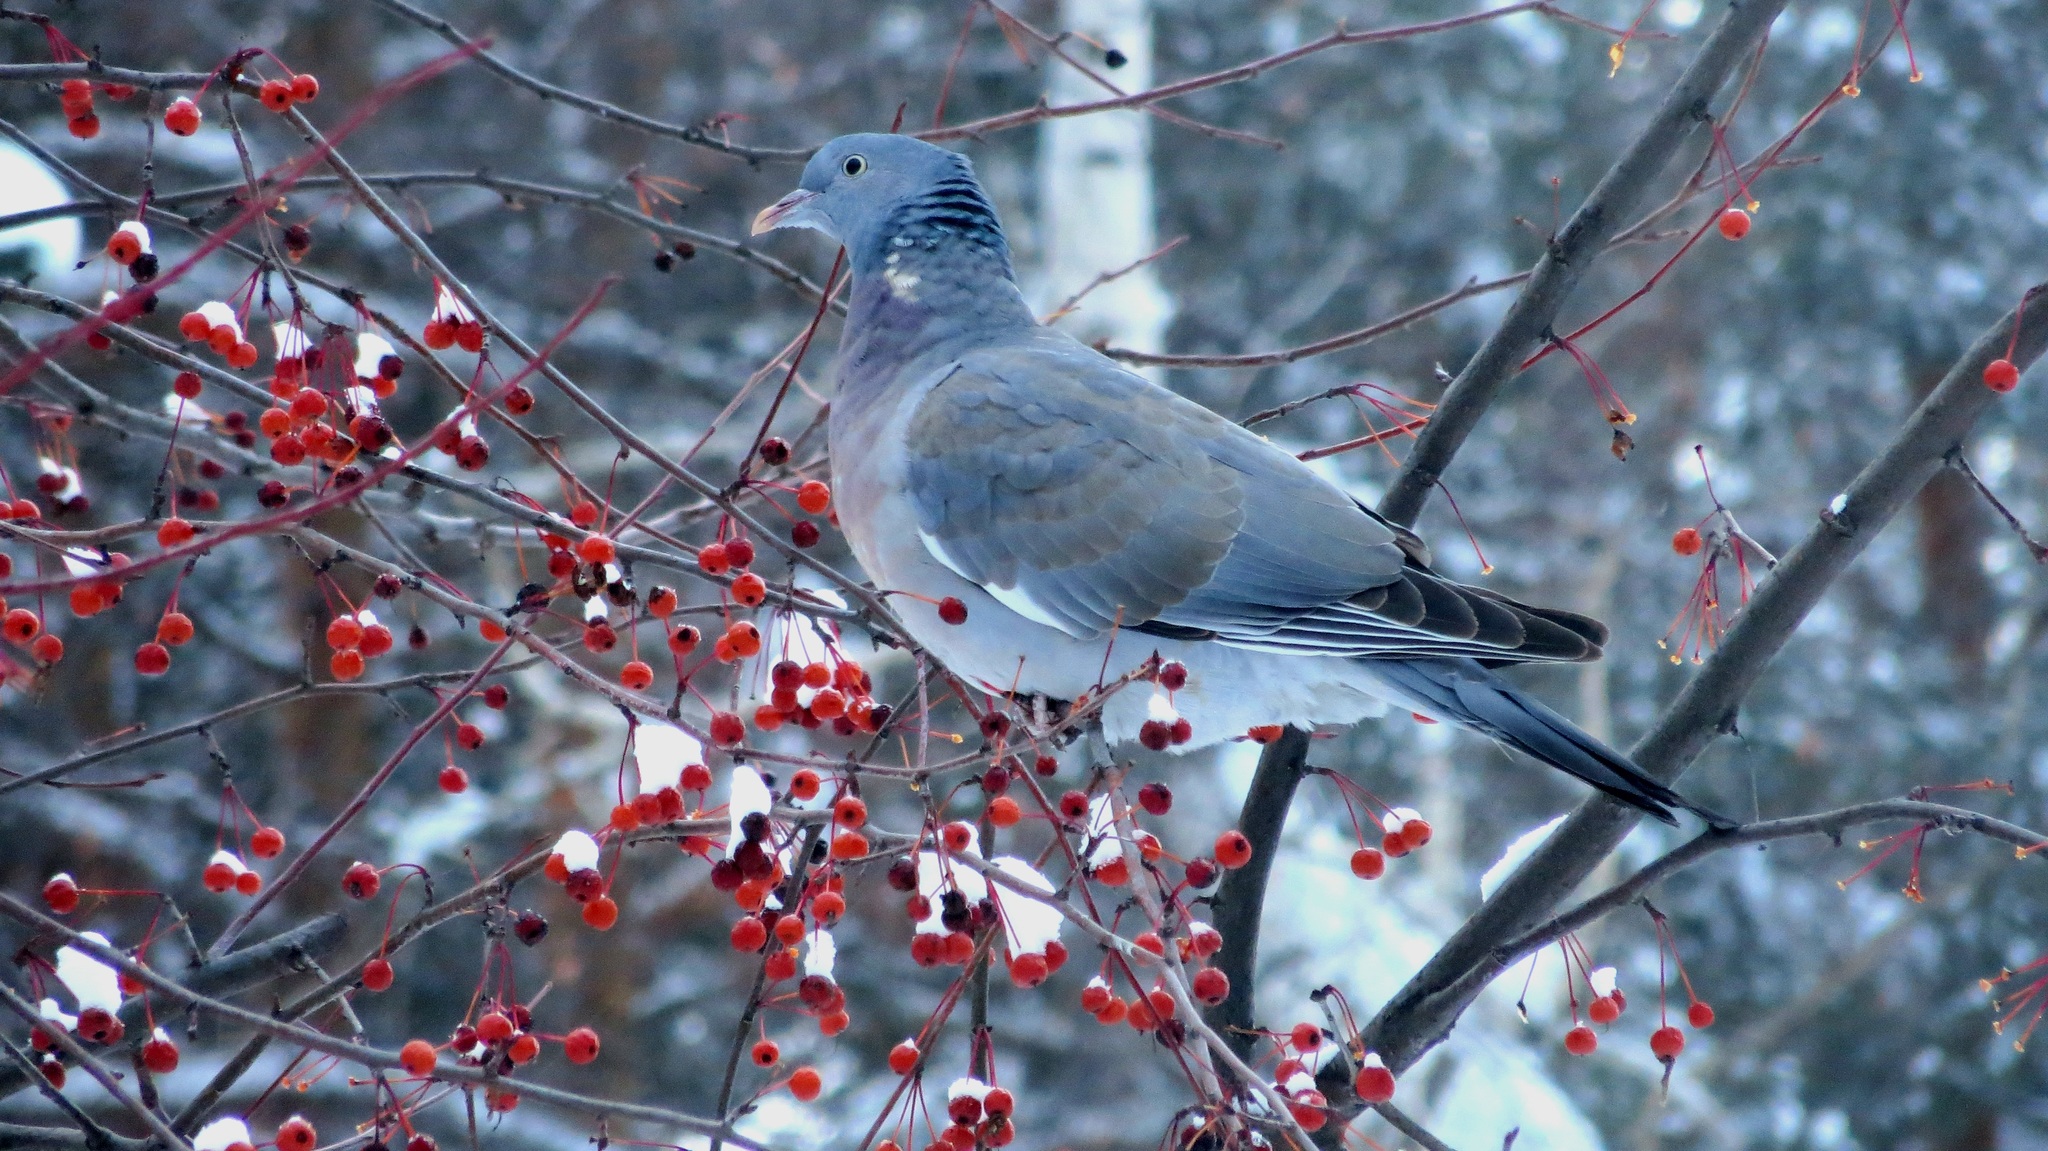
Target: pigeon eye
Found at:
854, 165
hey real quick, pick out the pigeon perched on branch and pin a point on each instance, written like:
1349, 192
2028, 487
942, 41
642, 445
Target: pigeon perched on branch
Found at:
1088, 518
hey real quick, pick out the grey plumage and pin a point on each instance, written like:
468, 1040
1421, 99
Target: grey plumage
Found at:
1069, 502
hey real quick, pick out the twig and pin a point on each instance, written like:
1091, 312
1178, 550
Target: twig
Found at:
604, 111
1957, 460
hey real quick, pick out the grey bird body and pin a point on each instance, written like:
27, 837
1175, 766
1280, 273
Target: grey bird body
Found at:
1089, 519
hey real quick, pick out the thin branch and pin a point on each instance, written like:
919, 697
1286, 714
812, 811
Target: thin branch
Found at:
611, 113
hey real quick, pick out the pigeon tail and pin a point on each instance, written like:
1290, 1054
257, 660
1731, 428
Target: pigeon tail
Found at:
1462, 692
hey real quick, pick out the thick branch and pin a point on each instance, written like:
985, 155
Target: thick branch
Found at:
1572, 251
1241, 897
1422, 1013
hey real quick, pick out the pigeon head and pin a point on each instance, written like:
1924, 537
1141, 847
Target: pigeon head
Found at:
882, 195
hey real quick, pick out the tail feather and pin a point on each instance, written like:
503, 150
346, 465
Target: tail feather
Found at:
1462, 692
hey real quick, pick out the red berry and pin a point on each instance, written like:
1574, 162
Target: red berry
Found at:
453, 780
727, 729
1029, 970
1699, 1015
1233, 850
1603, 1010
1305, 1037
766, 1053
174, 629
804, 534
596, 550
952, 611
2001, 375
160, 1056
523, 1049
1155, 798
1686, 541
377, 975
47, 649
361, 881
346, 665
267, 843
248, 882
469, 736
1580, 1040
739, 553
1368, 863
295, 1134
494, 1027
601, 913
417, 1057
806, 1084
713, 560
636, 675
1210, 986
814, 497
84, 127
749, 935
1004, 811
175, 531
377, 640
152, 658
750, 589
1415, 832
1666, 1042
1374, 1083
61, 894
1734, 223
276, 95
304, 87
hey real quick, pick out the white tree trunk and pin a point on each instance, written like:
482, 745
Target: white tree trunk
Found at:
1095, 185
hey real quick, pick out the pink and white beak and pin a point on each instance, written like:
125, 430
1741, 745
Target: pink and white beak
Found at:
792, 211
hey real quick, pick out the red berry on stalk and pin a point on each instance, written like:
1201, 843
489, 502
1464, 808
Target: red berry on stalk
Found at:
84, 127
1233, 850
580, 1045
1699, 1015
750, 590
2001, 375
295, 1134
1210, 986
766, 1053
377, 975
636, 675
1368, 863
453, 780
361, 881
469, 736
174, 629
152, 658
1733, 222
1603, 1010
160, 1056
1580, 1040
275, 95
727, 729
739, 553
182, 117
596, 550
304, 87
1686, 541
523, 1049
749, 935
806, 1083
61, 894
417, 1057
1155, 798
814, 497
601, 913
1374, 1083
1666, 1042
903, 1056
497, 696
1415, 832
267, 843
494, 1027
952, 611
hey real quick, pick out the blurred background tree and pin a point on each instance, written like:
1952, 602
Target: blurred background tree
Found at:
1915, 216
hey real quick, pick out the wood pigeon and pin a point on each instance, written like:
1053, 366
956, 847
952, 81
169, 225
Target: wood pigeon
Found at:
1089, 518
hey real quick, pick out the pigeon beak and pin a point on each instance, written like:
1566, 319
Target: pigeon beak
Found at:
792, 211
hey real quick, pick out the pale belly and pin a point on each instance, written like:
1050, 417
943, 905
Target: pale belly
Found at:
1229, 690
